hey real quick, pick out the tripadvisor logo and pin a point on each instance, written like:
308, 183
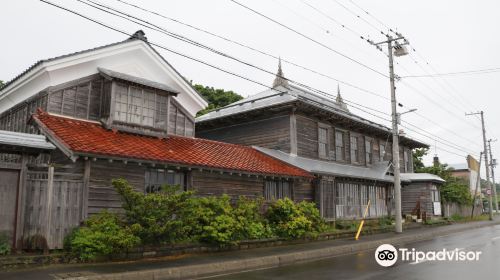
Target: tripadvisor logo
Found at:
387, 255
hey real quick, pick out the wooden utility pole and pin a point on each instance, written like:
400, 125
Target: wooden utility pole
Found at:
490, 201
399, 51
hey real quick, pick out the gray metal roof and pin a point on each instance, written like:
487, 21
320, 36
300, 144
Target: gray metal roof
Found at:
459, 166
416, 177
137, 80
27, 140
377, 172
282, 95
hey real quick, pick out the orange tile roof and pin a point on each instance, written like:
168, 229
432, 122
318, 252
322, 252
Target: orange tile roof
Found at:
91, 138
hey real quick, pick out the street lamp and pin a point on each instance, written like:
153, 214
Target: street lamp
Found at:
399, 114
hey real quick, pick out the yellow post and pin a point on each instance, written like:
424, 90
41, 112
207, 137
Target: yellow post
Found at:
362, 221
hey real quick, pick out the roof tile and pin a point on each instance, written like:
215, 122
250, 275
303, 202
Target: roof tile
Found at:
86, 137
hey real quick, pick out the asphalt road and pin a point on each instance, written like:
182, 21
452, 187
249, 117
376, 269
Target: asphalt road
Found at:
364, 266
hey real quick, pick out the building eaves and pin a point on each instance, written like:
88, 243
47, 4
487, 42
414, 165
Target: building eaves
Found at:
136, 80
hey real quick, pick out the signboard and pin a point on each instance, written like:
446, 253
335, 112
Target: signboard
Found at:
437, 208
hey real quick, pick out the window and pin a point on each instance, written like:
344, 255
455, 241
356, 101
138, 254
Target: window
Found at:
277, 190
339, 146
322, 142
139, 106
369, 152
435, 195
382, 152
156, 178
406, 161
354, 149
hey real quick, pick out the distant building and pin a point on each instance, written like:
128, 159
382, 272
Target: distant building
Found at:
468, 171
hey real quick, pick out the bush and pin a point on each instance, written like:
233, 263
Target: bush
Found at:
212, 220
456, 191
290, 220
251, 222
4, 245
103, 234
156, 217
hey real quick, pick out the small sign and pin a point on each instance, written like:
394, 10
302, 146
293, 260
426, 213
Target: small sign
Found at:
488, 191
437, 208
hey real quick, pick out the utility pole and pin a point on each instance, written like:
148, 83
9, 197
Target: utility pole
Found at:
493, 165
399, 50
490, 201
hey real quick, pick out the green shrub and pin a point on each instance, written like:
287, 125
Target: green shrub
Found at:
290, 220
251, 222
156, 217
4, 245
103, 234
212, 219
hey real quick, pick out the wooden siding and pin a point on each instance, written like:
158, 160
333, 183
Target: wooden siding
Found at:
414, 192
179, 122
273, 133
80, 99
101, 194
307, 137
303, 190
209, 184
16, 119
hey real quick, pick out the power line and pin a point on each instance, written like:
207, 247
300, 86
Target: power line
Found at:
448, 143
358, 16
256, 50
428, 64
475, 72
309, 38
430, 137
357, 34
372, 16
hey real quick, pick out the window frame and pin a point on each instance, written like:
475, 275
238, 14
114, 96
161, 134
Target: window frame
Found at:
279, 189
382, 152
326, 128
144, 111
354, 149
340, 156
154, 185
368, 150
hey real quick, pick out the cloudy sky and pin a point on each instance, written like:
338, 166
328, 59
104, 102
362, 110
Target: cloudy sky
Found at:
448, 35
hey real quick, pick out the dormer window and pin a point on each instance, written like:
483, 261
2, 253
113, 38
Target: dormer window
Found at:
143, 107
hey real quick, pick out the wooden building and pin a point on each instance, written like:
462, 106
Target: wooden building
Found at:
348, 155
421, 196
116, 111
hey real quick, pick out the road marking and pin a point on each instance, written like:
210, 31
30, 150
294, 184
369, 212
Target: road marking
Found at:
495, 238
426, 260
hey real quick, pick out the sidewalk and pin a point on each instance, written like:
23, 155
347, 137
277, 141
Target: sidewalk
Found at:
202, 265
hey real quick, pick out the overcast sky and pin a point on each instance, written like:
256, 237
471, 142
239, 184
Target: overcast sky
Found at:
451, 35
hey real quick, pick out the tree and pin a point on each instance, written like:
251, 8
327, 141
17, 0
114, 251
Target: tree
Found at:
1, 84
454, 189
418, 155
216, 98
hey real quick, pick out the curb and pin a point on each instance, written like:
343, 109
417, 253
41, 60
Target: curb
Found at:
228, 267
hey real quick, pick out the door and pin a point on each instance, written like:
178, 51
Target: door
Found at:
9, 180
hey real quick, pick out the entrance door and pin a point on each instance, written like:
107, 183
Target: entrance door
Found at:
8, 196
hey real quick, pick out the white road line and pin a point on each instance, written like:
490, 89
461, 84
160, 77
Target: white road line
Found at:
426, 260
495, 238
